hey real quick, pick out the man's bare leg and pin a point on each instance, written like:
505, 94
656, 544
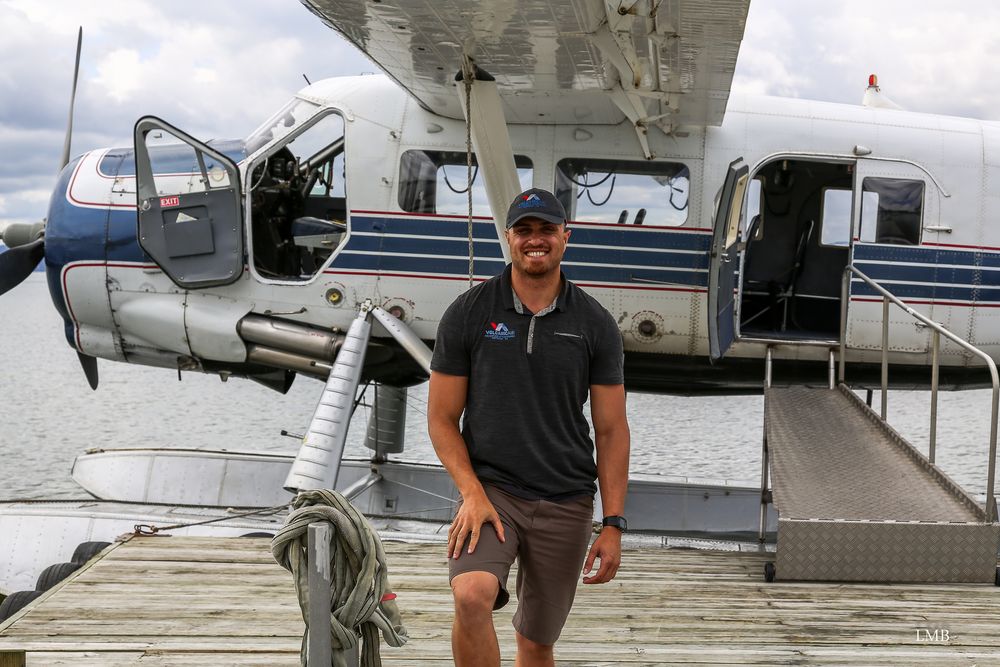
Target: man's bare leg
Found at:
473, 637
533, 654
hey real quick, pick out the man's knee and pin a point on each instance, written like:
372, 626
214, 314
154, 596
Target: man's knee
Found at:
475, 593
532, 649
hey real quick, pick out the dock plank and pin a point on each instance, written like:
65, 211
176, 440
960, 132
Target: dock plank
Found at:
210, 601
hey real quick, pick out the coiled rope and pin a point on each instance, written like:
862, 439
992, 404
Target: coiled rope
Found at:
362, 600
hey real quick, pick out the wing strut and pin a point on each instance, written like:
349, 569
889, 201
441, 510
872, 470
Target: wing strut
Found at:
318, 462
491, 142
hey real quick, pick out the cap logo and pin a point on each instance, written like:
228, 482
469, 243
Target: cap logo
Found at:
530, 201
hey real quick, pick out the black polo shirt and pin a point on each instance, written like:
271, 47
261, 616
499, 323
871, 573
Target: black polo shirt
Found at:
529, 376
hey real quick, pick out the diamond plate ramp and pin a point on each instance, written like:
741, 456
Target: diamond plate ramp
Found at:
856, 502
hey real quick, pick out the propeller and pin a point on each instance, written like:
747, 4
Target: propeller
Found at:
72, 101
18, 262
26, 241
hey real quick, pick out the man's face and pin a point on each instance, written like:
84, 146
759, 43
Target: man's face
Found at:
537, 246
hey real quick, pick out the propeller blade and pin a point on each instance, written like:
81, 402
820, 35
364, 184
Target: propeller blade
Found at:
16, 264
89, 364
72, 101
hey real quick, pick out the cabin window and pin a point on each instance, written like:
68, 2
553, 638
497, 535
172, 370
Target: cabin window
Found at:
624, 192
752, 221
891, 210
438, 182
299, 200
835, 217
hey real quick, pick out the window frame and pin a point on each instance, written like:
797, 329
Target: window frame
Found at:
641, 168
261, 156
861, 210
521, 161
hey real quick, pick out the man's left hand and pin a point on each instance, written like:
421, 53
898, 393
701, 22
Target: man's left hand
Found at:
608, 548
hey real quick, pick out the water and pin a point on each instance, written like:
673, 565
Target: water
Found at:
48, 415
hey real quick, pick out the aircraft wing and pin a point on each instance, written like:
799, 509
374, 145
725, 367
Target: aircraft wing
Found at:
663, 62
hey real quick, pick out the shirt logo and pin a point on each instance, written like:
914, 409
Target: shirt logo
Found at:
499, 331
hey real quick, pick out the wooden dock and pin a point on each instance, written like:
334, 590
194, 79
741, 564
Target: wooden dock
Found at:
211, 601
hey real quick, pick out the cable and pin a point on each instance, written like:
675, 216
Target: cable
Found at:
452, 187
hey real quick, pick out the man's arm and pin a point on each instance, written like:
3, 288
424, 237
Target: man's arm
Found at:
611, 439
445, 404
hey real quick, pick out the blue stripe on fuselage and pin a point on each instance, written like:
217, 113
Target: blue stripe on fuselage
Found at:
929, 274
595, 254
925, 255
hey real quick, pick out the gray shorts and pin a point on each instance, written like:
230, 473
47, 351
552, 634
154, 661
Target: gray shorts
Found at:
549, 540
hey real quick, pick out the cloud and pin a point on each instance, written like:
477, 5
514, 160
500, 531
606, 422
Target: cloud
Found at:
217, 69
930, 57
120, 74
214, 69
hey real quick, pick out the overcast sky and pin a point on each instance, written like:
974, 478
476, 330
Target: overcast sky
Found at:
217, 68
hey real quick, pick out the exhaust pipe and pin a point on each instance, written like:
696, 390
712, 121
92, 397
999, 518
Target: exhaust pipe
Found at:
268, 356
299, 338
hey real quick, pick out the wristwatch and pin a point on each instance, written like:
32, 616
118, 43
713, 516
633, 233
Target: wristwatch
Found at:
618, 522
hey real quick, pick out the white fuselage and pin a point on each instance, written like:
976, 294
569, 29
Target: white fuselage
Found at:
652, 277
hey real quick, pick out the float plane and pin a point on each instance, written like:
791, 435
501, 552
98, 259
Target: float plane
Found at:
716, 228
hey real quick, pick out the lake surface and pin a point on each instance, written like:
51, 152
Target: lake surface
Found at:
49, 415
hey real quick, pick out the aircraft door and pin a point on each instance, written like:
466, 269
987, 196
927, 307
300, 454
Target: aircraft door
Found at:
896, 209
189, 209
724, 260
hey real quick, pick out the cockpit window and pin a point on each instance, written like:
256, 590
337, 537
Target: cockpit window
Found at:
179, 168
298, 200
290, 117
619, 191
438, 182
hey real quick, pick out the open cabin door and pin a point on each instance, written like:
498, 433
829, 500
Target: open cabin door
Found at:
189, 209
725, 260
898, 234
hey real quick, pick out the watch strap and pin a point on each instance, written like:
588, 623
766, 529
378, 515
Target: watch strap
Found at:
618, 522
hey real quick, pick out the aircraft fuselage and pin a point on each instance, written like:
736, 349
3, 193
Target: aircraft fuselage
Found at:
905, 197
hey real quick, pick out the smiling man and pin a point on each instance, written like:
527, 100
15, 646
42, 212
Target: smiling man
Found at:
518, 355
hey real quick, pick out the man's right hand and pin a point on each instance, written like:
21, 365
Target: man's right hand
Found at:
476, 510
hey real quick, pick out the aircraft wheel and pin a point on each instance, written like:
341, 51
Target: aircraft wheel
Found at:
15, 602
53, 574
996, 578
768, 572
87, 550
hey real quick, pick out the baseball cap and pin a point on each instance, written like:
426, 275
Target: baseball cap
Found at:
536, 203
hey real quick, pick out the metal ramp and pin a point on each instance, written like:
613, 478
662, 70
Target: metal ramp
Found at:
857, 502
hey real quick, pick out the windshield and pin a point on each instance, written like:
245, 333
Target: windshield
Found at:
292, 115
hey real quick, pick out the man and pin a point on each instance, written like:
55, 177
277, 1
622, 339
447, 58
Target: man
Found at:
518, 354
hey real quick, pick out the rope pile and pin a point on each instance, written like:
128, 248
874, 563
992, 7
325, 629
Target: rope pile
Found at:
362, 601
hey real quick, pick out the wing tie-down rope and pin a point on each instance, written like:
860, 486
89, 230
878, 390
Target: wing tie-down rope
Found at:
362, 600
468, 74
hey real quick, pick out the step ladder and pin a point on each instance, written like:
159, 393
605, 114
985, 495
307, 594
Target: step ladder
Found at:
857, 502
